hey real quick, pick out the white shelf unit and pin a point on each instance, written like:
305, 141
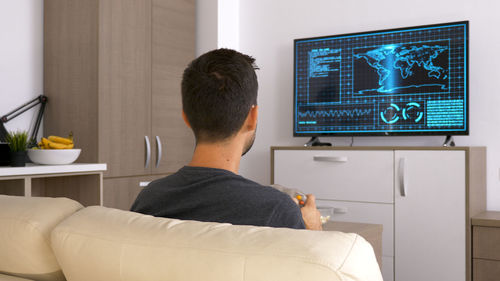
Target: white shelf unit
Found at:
81, 182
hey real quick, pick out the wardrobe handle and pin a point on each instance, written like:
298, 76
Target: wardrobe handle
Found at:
339, 159
148, 152
402, 177
158, 151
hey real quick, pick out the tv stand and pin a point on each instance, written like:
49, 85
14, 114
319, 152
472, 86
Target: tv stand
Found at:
314, 141
368, 184
449, 141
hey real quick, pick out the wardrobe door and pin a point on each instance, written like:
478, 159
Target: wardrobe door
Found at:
70, 80
125, 142
173, 47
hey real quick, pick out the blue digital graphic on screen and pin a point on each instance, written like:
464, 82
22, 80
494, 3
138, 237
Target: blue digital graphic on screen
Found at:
405, 80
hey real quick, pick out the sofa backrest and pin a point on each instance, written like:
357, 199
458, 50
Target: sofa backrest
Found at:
99, 243
25, 227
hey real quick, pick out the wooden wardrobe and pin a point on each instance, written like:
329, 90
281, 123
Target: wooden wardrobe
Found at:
112, 73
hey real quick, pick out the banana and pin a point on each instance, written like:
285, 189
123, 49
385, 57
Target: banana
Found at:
56, 142
45, 143
55, 145
60, 140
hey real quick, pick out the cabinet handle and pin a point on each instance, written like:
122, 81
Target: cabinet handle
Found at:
402, 177
158, 151
340, 210
144, 183
148, 152
337, 159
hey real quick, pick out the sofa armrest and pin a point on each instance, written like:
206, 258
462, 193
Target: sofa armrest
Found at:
25, 227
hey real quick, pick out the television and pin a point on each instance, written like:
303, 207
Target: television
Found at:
404, 81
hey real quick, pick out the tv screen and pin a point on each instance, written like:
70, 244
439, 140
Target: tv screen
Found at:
404, 81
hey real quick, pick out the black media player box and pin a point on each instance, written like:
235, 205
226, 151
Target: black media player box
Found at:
4, 154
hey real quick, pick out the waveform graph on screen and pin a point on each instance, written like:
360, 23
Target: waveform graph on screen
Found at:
406, 80
325, 118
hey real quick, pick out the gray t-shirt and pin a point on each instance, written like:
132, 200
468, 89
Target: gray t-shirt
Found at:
216, 195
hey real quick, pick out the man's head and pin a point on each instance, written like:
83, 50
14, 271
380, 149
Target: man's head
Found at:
219, 89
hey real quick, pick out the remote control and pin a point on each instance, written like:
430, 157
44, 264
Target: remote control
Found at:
294, 193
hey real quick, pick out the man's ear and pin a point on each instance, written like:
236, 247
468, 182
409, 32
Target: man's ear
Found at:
251, 122
185, 119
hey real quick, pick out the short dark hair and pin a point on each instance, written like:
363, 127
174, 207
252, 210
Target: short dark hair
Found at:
218, 90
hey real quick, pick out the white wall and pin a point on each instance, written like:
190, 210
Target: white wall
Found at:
267, 29
21, 58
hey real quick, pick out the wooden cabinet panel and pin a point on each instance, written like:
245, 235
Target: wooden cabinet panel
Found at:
121, 193
486, 241
70, 77
173, 47
486, 246
486, 270
124, 85
85, 189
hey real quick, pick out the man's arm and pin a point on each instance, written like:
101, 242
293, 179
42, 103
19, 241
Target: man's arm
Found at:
310, 214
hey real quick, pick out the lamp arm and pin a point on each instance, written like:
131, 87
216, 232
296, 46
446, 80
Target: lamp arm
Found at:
41, 99
23, 108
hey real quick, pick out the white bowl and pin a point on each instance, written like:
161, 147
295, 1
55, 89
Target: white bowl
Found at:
53, 156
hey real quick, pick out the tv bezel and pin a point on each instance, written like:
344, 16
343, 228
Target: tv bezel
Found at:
387, 133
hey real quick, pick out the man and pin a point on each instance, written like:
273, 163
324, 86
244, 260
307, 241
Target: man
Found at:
219, 100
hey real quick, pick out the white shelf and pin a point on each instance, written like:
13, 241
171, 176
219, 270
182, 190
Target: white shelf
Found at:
33, 169
80, 182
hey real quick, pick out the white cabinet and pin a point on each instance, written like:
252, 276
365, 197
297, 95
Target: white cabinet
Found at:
423, 197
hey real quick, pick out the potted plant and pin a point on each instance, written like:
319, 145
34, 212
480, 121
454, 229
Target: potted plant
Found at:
18, 142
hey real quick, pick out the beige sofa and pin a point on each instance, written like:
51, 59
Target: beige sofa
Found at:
58, 239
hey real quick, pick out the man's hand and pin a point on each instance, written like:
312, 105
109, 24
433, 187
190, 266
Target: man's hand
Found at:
310, 214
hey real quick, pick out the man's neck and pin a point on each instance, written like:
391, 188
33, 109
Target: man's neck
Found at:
224, 155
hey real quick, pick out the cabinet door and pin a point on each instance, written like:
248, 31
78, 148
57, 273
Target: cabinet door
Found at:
121, 193
124, 86
430, 217
173, 47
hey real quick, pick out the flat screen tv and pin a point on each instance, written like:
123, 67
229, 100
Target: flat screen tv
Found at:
404, 81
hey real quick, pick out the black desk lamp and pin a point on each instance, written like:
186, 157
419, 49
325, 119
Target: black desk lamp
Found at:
18, 111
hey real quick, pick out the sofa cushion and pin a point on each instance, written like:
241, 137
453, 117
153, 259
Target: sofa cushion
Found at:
4, 277
99, 243
26, 224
